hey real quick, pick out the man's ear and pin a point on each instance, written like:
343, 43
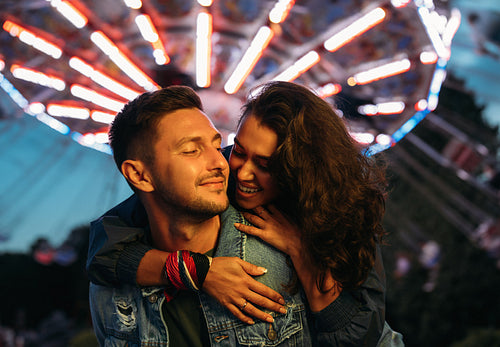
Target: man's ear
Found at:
137, 174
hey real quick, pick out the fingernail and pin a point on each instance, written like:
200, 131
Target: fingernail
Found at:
270, 319
250, 322
263, 269
282, 301
283, 310
236, 224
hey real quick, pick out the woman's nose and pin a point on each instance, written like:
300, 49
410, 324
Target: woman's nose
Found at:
245, 172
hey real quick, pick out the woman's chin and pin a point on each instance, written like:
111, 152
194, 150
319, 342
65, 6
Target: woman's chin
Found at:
247, 204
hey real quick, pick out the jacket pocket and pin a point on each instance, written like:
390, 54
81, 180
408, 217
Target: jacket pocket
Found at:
286, 330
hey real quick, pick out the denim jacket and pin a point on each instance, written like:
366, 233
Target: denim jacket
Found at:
132, 316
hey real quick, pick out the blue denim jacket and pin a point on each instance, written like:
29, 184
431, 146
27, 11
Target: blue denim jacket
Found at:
132, 316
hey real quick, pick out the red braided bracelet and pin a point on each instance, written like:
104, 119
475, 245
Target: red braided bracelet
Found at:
186, 270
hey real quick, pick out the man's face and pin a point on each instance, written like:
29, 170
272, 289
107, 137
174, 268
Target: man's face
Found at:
189, 173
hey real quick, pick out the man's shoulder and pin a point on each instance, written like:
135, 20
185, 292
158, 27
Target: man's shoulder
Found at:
130, 211
231, 214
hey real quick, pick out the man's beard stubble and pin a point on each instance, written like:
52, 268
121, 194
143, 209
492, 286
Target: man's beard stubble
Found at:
198, 208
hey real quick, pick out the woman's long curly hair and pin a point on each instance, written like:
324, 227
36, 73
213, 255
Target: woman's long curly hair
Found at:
334, 192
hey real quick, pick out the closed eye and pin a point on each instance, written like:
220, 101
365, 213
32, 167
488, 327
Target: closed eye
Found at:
190, 152
238, 154
262, 166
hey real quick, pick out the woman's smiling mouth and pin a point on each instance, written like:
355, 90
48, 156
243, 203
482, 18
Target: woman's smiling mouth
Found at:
248, 190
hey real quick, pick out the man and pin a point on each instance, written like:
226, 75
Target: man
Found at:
169, 152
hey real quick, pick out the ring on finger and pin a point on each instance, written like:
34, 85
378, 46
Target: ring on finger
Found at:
244, 305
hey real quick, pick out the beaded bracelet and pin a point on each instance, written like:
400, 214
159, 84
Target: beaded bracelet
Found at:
186, 270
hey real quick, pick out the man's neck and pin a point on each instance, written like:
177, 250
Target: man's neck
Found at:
173, 233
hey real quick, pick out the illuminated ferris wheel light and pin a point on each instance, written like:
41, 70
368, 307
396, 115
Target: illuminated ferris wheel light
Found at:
299, 67
70, 12
355, 29
249, 59
203, 49
280, 11
135, 4
382, 71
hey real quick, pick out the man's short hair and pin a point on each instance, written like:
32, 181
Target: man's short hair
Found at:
133, 132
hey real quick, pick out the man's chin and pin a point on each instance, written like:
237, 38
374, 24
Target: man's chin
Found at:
210, 209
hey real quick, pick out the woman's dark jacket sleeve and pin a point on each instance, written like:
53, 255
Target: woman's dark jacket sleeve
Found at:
116, 248
357, 317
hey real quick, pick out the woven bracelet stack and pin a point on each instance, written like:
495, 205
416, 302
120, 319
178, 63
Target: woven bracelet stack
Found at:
185, 270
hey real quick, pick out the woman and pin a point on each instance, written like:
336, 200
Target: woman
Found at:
292, 150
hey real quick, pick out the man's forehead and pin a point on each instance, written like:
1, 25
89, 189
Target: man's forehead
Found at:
188, 124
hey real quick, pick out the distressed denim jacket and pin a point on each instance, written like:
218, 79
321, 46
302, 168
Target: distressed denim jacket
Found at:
132, 316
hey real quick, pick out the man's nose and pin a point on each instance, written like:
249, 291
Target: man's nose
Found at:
216, 159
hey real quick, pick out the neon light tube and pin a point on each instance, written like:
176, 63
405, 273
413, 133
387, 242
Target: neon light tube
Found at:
13, 93
382, 71
400, 3
145, 25
37, 77
203, 49
96, 98
280, 11
90, 139
100, 78
364, 138
299, 67
117, 56
451, 27
35, 108
249, 59
70, 13
150, 34
205, 3
57, 110
135, 4
328, 90
355, 29
437, 42
31, 39
428, 57
53, 123
102, 117
385, 108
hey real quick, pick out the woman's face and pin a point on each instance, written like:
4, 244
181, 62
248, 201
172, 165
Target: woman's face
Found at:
254, 144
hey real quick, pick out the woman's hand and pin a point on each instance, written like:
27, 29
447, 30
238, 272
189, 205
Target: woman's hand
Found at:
273, 227
230, 281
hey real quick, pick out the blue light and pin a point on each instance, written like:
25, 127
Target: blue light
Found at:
13, 92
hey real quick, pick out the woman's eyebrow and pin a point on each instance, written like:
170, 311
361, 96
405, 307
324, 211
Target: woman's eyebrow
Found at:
263, 157
238, 143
